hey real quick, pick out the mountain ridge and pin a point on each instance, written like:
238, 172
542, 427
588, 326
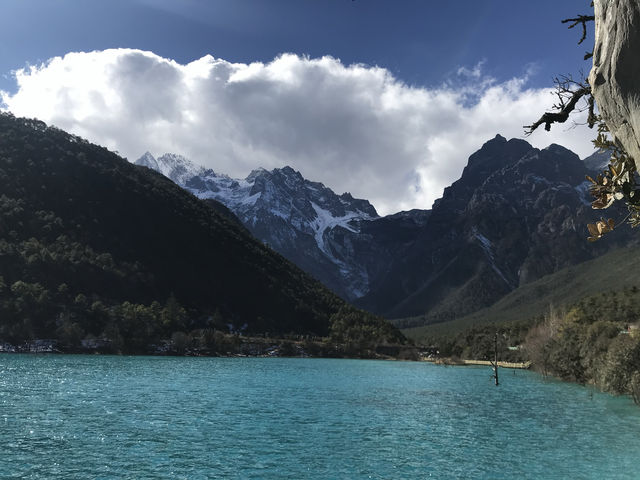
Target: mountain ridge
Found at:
490, 234
514, 215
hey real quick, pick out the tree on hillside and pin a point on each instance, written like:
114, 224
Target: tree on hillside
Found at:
611, 94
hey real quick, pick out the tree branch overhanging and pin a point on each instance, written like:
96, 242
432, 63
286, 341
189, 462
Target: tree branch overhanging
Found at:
569, 92
568, 101
620, 181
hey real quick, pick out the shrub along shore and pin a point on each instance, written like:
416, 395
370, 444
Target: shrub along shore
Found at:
596, 341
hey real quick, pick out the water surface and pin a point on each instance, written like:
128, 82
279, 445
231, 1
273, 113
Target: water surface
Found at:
257, 418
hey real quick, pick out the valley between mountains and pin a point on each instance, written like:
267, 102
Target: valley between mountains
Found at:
170, 257
516, 214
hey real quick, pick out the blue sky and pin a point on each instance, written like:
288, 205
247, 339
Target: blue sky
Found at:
428, 51
422, 42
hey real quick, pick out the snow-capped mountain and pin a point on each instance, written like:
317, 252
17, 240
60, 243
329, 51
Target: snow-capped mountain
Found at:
304, 221
176, 167
517, 213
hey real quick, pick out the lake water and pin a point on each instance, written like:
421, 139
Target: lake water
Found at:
269, 418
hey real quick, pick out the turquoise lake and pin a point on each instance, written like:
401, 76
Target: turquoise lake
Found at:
80, 417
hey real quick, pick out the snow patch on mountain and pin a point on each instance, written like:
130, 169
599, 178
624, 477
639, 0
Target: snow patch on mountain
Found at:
281, 208
147, 160
178, 168
487, 246
235, 194
325, 220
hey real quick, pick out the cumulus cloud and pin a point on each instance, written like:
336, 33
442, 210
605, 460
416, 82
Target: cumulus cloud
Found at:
355, 128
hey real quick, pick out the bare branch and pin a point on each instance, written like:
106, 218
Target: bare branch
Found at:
580, 19
568, 100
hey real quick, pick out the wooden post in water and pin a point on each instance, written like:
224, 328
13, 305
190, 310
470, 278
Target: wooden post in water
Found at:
495, 359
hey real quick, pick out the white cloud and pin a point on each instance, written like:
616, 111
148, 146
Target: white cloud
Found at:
355, 128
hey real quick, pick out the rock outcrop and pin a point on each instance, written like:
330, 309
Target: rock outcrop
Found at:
515, 215
615, 75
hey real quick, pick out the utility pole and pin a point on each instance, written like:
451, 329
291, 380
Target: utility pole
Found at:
494, 364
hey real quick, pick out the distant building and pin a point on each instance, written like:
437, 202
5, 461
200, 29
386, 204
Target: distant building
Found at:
7, 347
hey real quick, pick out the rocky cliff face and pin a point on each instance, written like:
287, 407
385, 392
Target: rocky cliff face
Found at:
616, 70
516, 214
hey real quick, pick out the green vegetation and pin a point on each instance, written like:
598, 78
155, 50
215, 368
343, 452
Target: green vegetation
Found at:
95, 249
477, 343
595, 341
612, 271
359, 333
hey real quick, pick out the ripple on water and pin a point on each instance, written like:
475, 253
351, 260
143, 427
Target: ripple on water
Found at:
163, 417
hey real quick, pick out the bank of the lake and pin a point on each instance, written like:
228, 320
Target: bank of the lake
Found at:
230, 345
596, 341
80, 416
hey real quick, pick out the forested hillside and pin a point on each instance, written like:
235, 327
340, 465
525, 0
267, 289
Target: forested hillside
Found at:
94, 247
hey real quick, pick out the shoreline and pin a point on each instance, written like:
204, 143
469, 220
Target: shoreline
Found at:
448, 361
232, 346
260, 347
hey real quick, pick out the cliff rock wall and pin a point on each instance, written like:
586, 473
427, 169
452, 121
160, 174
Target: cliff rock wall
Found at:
615, 76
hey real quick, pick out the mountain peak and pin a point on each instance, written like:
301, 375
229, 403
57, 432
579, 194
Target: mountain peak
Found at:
256, 173
558, 149
289, 172
494, 143
555, 163
148, 160
178, 168
493, 155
